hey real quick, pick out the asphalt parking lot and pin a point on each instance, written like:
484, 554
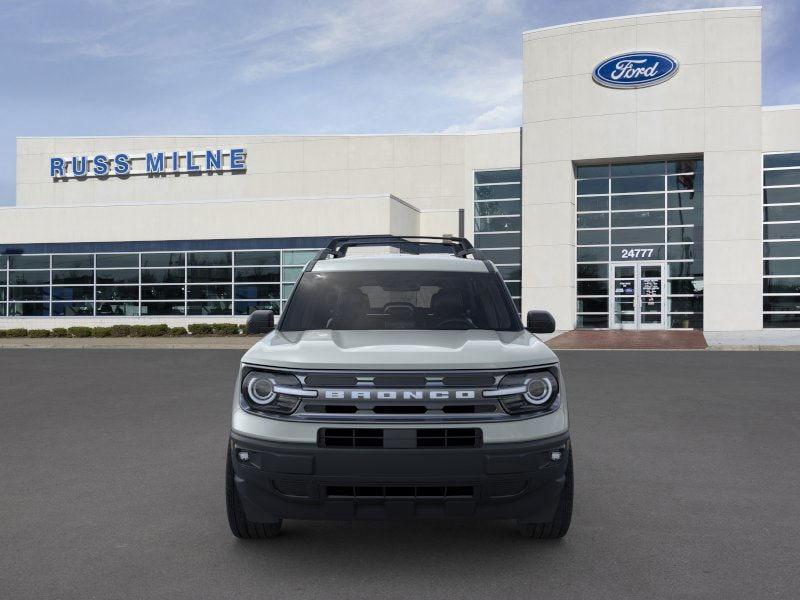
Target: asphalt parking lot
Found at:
111, 486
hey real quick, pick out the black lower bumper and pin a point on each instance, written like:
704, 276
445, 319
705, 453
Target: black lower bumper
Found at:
301, 481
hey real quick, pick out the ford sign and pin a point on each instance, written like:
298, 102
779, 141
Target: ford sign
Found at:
635, 70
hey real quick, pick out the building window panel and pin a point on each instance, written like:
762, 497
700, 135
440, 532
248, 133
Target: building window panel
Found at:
208, 259
637, 218
212, 275
29, 278
592, 220
117, 292
73, 261
498, 224
637, 236
782, 249
592, 321
176, 309
782, 285
163, 276
591, 171
73, 309
782, 304
498, 240
503, 257
163, 259
298, 257
29, 261
79, 292
498, 208
785, 231
246, 308
587, 187
209, 292
782, 267
511, 273
782, 213
500, 176
209, 308
117, 261
682, 182
629, 185
637, 202
592, 203
684, 217
29, 293
629, 169
117, 276
593, 271
684, 166
163, 292
782, 195
593, 305
28, 309
592, 237
73, 277
117, 309
785, 177
257, 258
592, 254
257, 292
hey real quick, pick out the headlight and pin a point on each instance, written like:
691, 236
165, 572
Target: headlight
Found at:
528, 392
266, 391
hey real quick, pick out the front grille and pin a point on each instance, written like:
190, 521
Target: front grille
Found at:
448, 438
351, 438
382, 492
335, 437
399, 409
399, 380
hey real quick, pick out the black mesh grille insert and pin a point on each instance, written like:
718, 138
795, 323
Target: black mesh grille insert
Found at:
448, 438
380, 492
351, 438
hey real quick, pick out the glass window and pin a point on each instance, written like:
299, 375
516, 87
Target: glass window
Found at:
246, 308
499, 207
493, 192
503, 257
787, 320
29, 261
782, 267
679, 252
77, 292
782, 231
3, 262
117, 309
637, 202
637, 236
162, 292
498, 224
514, 288
592, 254
209, 259
589, 171
593, 288
162, 308
29, 293
593, 321
790, 159
684, 200
209, 292
257, 274
782, 249
782, 303
117, 275
694, 321
73, 309
28, 309
257, 292
298, 257
117, 292
29, 277
592, 186
684, 217
649, 168
637, 184
592, 236
782, 195
680, 304
593, 220
500, 176
163, 276
684, 166
286, 289
782, 285
592, 271
681, 269
117, 261
164, 259
593, 305
788, 177
291, 273
209, 275
73, 261
512, 273
593, 203
66, 277
685, 286
262, 257
782, 213
682, 182
498, 240
637, 218
680, 234
209, 308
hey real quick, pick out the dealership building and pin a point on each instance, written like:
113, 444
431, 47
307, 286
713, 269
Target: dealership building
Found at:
646, 188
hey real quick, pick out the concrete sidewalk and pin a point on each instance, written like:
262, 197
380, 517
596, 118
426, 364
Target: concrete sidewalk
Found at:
185, 343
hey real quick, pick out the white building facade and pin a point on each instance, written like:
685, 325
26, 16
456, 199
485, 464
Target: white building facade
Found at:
647, 188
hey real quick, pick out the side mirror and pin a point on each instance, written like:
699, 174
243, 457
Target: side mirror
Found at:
540, 321
261, 321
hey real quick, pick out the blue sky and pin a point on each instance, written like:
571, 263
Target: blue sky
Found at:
151, 67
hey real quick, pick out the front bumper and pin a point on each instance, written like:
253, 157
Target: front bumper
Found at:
303, 481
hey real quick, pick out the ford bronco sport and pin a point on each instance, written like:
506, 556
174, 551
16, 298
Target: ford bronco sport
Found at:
399, 385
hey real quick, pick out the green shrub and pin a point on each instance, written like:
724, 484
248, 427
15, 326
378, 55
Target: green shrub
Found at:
157, 330
201, 329
80, 332
59, 332
224, 329
177, 331
101, 332
16, 332
2, 333
38, 333
138, 331
120, 330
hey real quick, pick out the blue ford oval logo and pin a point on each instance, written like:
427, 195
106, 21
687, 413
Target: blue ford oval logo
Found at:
635, 70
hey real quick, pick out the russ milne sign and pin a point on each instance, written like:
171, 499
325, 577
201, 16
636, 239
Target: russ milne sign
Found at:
635, 70
152, 163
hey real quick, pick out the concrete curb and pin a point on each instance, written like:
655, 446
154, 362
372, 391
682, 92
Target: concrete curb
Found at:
184, 343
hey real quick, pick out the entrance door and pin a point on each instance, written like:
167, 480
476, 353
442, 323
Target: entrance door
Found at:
637, 295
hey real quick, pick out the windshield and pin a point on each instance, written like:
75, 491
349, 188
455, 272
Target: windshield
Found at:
432, 300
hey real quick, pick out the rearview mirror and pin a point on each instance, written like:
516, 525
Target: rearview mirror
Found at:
261, 321
540, 321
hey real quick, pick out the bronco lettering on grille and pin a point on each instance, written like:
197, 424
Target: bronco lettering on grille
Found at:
399, 395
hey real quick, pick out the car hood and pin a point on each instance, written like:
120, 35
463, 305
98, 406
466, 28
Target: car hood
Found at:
406, 349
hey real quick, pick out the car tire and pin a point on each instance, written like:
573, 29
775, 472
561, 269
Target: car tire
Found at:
241, 527
558, 527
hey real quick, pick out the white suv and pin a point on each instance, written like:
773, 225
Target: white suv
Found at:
400, 385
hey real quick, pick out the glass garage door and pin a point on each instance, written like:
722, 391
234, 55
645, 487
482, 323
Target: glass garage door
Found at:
649, 216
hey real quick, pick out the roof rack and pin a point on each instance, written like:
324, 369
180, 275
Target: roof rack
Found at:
407, 244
